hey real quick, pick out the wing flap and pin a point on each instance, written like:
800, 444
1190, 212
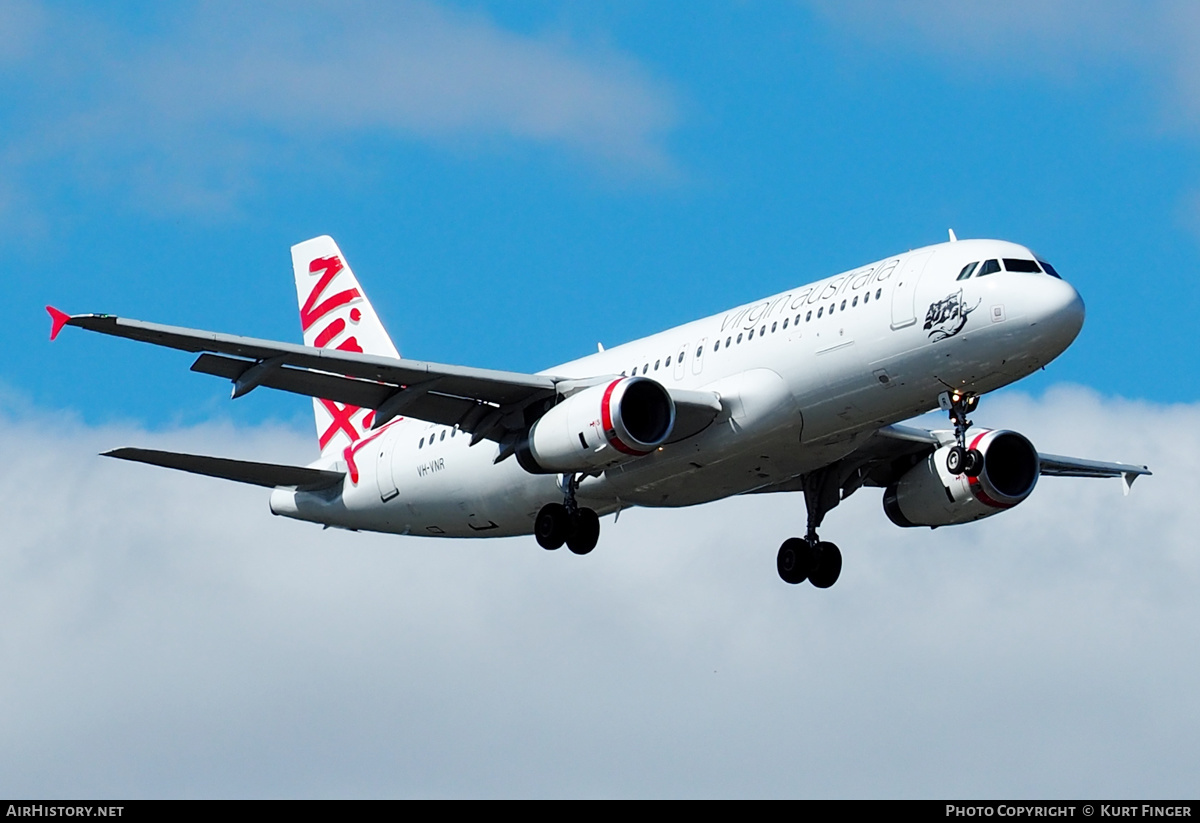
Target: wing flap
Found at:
363, 393
269, 475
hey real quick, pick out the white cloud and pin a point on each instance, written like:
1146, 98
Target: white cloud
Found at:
1067, 39
164, 635
190, 112
1072, 42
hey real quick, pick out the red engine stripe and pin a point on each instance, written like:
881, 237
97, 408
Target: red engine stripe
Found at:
610, 433
977, 488
983, 497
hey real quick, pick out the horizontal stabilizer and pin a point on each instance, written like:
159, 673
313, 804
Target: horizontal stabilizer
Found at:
241, 471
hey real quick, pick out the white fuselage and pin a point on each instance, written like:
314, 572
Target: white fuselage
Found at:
804, 377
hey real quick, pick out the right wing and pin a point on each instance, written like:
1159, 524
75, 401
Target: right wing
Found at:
486, 403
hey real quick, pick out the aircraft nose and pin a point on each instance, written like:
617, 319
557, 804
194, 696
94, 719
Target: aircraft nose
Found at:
1060, 309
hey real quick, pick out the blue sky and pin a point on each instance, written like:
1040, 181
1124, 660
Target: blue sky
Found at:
513, 183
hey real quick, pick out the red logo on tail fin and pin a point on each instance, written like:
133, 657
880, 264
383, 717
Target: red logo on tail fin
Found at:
342, 421
311, 313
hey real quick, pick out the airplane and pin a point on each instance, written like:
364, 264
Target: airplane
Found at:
803, 391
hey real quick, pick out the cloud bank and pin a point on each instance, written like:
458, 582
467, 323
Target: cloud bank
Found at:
1066, 39
163, 635
189, 107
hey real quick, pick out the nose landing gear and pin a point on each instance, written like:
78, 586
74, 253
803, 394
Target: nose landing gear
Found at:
566, 522
960, 459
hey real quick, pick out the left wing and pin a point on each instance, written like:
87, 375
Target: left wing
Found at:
892, 450
902, 439
1056, 465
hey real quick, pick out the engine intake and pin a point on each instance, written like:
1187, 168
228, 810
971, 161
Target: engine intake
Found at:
928, 495
598, 427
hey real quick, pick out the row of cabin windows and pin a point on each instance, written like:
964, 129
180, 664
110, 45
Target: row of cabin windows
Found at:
436, 436
729, 341
1010, 264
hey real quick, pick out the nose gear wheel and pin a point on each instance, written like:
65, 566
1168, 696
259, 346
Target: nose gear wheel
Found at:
960, 459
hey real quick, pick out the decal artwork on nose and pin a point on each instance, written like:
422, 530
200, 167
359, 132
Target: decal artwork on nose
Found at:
948, 316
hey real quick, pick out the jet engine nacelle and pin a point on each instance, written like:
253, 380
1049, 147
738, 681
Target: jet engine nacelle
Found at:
598, 427
928, 495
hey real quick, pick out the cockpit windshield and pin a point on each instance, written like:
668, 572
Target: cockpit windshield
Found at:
1013, 264
1049, 269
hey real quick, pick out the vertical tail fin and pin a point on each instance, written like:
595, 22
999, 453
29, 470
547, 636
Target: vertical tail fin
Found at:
335, 313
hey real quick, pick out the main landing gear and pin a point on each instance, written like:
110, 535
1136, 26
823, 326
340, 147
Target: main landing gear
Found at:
810, 558
566, 522
960, 459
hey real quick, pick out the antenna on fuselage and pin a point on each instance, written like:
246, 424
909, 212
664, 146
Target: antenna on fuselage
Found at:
953, 236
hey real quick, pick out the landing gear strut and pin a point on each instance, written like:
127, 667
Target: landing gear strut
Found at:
960, 459
566, 522
810, 558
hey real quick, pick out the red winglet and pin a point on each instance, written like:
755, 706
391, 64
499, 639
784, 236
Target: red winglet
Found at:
58, 319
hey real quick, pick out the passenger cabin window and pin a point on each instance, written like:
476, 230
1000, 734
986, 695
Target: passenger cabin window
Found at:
968, 270
1030, 266
989, 267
